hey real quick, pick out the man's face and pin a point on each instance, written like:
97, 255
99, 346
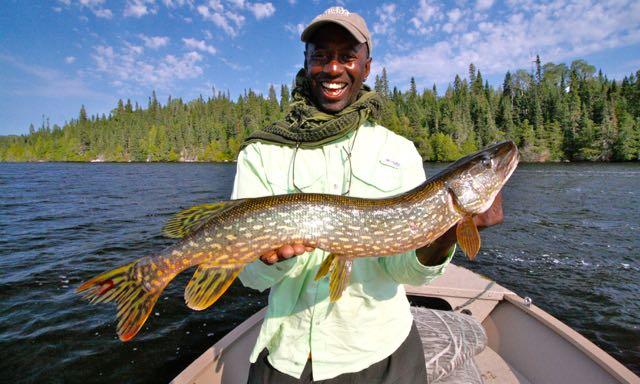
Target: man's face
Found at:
336, 65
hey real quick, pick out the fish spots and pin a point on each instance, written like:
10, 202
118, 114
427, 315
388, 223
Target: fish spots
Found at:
175, 252
231, 237
257, 227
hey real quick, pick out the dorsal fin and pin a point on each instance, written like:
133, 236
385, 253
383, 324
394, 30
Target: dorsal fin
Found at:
192, 219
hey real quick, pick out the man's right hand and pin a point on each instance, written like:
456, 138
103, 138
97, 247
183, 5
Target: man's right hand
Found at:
283, 253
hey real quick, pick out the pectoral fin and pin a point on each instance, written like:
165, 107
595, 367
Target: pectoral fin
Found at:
468, 237
208, 284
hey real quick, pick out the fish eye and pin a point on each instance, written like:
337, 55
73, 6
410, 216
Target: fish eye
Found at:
486, 161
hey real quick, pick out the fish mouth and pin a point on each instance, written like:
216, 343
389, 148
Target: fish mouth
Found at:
506, 156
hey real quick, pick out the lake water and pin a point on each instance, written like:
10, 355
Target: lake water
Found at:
570, 241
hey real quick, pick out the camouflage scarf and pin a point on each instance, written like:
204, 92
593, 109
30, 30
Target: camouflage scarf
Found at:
305, 126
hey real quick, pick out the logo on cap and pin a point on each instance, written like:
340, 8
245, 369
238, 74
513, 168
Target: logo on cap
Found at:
336, 11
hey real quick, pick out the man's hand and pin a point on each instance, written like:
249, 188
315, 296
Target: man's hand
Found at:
435, 253
283, 253
491, 216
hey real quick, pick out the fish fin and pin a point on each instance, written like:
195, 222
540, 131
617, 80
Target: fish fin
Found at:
208, 284
339, 277
325, 266
192, 219
122, 286
468, 237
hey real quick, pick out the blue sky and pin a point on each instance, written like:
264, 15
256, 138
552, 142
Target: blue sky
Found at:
57, 55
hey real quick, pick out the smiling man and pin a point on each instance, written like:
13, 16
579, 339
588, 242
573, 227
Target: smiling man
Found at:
329, 143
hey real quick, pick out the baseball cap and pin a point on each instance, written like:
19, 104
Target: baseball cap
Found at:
350, 21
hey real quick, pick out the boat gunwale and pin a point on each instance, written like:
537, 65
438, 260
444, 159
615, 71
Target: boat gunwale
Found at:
496, 293
584, 345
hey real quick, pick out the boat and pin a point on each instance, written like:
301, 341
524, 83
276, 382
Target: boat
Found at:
523, 344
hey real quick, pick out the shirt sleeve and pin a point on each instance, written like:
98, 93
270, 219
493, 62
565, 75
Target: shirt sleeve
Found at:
405, 268
251, 181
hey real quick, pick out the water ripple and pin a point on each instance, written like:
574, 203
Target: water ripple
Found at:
569, 241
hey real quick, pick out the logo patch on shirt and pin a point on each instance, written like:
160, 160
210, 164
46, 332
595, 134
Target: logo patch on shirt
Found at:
390, 162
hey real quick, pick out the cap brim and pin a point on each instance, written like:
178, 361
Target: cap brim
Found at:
311, 29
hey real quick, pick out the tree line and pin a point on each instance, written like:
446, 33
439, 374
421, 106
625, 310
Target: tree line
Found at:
554, 112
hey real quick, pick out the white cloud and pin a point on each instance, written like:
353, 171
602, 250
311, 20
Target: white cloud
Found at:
69, 59
103, 13
228, 21
387, 17
454, 15
139, 8
235, 66
177, 3
127, 68
295, 29
207, 34
261, 10
483, 5
154, 42
237, 3
559, 30
200, 45
95, 6
423, 15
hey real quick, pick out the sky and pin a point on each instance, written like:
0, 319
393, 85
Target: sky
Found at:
58, 55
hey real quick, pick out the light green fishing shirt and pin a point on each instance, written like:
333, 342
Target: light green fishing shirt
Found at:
372, 318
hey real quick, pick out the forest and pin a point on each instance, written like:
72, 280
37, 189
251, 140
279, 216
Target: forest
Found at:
553, 112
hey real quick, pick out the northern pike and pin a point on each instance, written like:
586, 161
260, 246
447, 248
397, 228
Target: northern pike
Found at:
221, 238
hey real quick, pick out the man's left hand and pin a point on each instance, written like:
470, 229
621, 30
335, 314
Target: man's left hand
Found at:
436, 252
491, 216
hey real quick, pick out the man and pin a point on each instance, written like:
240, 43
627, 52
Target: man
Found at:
329, 143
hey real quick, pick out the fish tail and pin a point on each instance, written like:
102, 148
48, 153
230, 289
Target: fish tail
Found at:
123, 286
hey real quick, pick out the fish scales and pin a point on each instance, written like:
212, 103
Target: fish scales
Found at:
221, 238
305, 219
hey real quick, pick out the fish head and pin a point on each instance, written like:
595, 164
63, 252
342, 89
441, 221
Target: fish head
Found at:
475, 180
